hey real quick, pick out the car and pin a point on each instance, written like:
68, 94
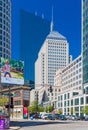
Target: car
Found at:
3, 115
63, 117
39, 116
57, 116
44, 116
86, 118
51, 117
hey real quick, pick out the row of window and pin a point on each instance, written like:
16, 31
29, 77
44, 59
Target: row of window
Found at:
57, 43
5, 55
72, 102
73, 81
72, 66
76, 73
17, 102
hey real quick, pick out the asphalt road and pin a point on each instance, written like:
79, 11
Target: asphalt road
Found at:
51, 125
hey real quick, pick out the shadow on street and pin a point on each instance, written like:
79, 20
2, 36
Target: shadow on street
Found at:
36, 123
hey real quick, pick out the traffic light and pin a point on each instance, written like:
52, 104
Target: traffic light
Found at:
11, 100
51, 89
11, 103
7, 106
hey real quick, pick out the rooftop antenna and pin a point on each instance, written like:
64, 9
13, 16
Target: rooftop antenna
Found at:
52, 24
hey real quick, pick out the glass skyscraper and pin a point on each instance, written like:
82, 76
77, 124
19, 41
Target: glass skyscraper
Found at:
5, 28
33, 31
85, 40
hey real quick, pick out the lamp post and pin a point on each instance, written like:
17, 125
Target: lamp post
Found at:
51, 90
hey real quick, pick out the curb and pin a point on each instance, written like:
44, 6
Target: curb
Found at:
14, 128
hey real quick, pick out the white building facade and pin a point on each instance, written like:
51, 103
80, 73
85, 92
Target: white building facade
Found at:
72, 98
54, 54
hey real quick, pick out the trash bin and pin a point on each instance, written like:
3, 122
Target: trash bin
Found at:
2, 123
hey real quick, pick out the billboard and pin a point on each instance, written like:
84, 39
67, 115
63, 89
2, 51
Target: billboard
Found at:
12, 71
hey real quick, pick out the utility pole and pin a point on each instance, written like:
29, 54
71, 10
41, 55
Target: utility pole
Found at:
9, 102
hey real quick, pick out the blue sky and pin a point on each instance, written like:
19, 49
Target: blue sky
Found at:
67, 20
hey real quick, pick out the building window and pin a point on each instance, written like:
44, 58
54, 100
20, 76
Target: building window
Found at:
68, 95
87, 100
72, 102
59, 98
17, 102
64, 96
82, 100
77, 101
76, 109
17, 94
65, 104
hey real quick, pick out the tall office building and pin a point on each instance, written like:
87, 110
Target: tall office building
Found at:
85, 42
32, 32
54, 54
5, 28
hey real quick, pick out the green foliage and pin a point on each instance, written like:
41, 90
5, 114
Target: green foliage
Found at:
85, 110
34, 108
40, 109
71, 111
46, 109
49, 109
3, 100
60, 111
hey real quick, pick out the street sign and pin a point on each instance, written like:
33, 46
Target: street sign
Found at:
7, 94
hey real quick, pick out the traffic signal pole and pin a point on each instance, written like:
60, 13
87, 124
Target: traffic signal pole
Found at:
9, 102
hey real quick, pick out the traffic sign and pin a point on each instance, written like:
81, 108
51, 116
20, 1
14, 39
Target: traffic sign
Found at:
7, 94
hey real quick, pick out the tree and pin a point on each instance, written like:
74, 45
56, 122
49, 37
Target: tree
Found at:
60, 111
85, 110
40, 109
50, 108
34, 108
71, 111
47, 109
3, 101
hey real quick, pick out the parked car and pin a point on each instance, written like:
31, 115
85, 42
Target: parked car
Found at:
44, 116
86, 118
74, 117
50, 117
3, 115
57, 116
63, 117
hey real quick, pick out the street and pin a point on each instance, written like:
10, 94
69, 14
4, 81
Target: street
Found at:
51, 125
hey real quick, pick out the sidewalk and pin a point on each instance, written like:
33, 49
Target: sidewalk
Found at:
14, 128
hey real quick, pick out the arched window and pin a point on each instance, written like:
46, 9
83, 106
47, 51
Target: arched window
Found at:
17, 94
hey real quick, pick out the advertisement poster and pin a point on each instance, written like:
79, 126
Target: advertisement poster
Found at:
2, 124
25, 112
12, 71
